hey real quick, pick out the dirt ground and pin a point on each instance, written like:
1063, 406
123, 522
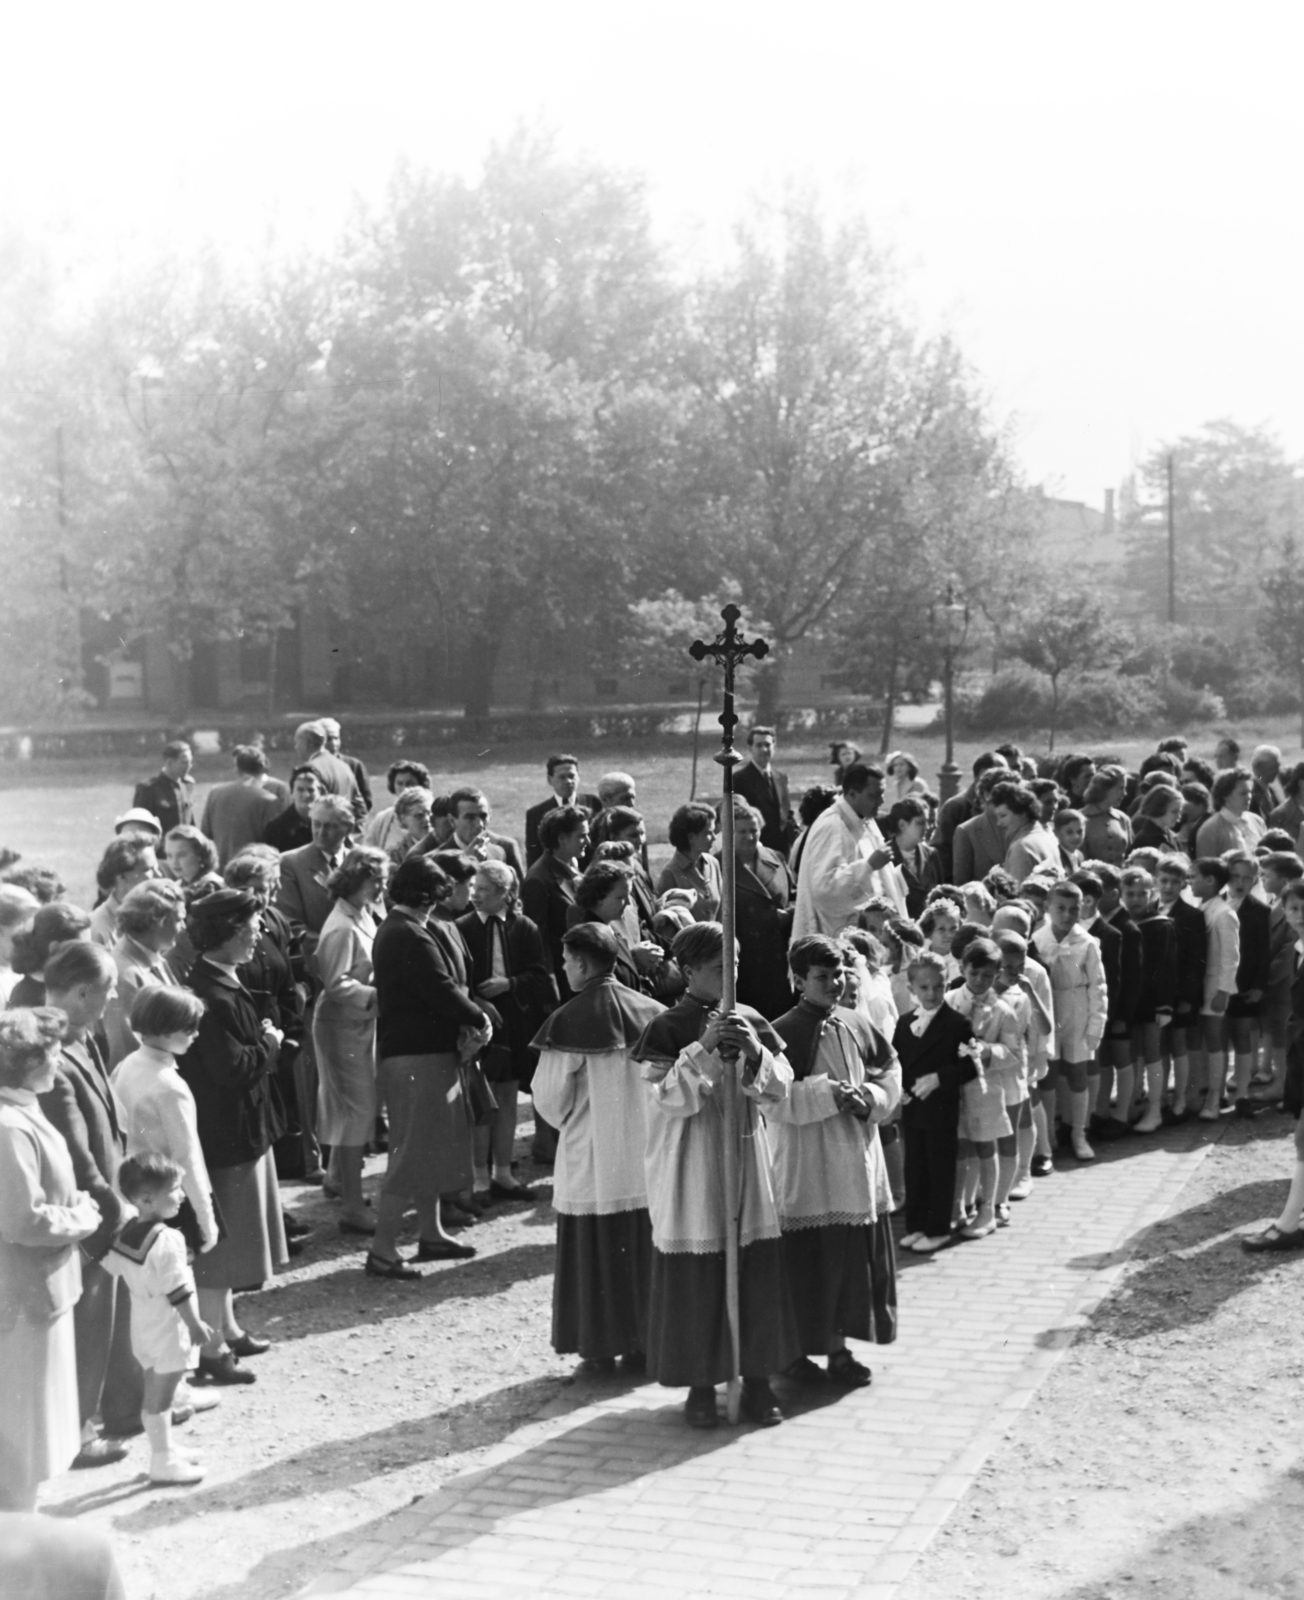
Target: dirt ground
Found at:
1165, 1455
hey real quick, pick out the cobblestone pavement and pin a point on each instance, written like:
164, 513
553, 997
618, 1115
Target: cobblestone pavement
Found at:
621, 1499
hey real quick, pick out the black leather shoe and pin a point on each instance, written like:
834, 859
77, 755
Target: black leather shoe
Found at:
224, 1369
378, 1267
1042, 1166
759, 1405
510, 1191
699, 1409
635, 1363
804, 1370
249, 1344
847, 1372
444, 1250
294, 1229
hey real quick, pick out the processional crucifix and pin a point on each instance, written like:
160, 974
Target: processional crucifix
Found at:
729, 650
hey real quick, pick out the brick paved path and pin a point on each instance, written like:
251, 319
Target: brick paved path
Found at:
622, 1500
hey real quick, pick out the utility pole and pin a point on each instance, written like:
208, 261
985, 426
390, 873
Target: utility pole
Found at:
1172, 548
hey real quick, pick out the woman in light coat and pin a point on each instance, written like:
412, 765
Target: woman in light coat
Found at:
43, 1218
344, 1025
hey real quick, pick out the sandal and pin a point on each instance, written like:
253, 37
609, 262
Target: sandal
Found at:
1274, 1238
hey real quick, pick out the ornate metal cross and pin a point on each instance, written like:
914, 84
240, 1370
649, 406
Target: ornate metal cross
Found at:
728, 649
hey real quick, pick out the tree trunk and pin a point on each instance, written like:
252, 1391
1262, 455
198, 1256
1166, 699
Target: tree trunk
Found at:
273, 651
768, 682
890, 699
1054, 712
478, 666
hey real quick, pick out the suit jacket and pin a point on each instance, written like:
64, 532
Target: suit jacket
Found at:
288, 831
763, 923
771, 800
303, 900
937, 1050
81, 1104
229, 1069
533, 992
422, 999
535, 815
918, 886
1130, 968
959, 809
171, 803
494, 847
547, 895
1158, 964
1192, 947
1256, 951
361, 778
978, 846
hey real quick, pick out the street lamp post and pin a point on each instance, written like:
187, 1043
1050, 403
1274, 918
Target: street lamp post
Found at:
951, 621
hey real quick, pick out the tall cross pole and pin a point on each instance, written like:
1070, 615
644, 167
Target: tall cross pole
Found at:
729, 650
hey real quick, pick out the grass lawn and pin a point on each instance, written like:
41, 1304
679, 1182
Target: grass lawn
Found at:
61, 812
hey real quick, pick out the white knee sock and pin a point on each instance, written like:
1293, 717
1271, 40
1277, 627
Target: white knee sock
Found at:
158, 1430
1126, 1087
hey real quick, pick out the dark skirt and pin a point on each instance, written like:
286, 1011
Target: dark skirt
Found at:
429, 1126
688, 1334
253, 1247
1292, 1098
842, 1283
601, 1284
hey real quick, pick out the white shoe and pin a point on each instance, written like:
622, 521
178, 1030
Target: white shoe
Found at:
175, 1468
909, 1240
1150, 1123
924, 1246
197, 1399
1022, 1189
1211, 1113
1082, 1151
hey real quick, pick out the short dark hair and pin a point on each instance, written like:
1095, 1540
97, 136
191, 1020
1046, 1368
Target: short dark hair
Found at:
1212, 867
1108, 875
419, 881
562, 761
621, 818
1087, 882
1202, 769
55, 924
815, 950
1161, 761
174, 748
816, 800
1175, 745
695, 946
593, 943
77, 962
305, 770
458, 868
1275, 839
1157, 800
907, 809
249, 758
859, 775
1285, 863
146, 1173
122, 855
688, 820
980, 952
1000, 885
467, 792
1225, 782
162, 1008
1016, 797
597, 883
760, 730
554, 825
989, 758
418, 769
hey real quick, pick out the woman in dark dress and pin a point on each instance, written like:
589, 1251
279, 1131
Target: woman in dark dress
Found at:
230, 1069
904, 830
1156, 820
763, 916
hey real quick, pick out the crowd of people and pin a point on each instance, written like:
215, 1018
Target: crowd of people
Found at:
936, 1002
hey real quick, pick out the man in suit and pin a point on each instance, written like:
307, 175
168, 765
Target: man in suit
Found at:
305, 903
1266, 794
334, 775
80, 979
616, 791
353, 763
548, 892
959, 809
237, 813
471, 833
765, 788
168, 795
980, 844
564, 781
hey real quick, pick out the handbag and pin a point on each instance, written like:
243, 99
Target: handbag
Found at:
481, 1101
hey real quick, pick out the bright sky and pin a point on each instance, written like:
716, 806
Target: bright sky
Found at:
1102, 201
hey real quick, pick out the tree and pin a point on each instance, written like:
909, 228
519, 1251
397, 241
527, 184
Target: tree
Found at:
823, 430
1283, 591
1062, 638
1236, 497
